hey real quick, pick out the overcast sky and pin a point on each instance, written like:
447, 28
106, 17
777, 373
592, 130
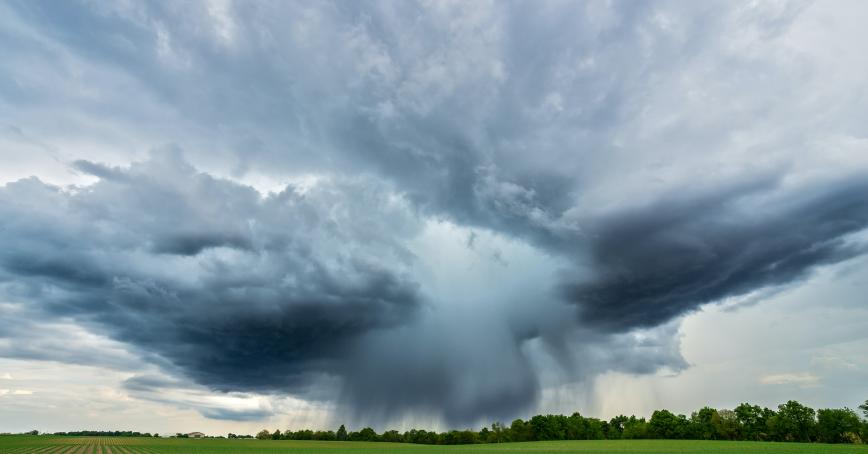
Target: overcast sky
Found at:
223, 216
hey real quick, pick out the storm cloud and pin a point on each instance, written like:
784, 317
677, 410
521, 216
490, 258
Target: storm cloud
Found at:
247, 296
654, 263
287, 289
412, 210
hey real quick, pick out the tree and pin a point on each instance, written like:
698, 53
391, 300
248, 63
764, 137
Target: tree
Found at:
838, 425
753, 421
460, 437
306, 434
325, 435
616, 427
793, 422
420, 436
664, 424
635, 428
498, 432
577, 427
548, 427
728, 425
520, 431
596, 429
366, 434
706, 424
392, 436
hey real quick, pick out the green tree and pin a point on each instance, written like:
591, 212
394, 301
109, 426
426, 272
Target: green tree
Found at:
753, 421
392, 436
342, 433
706, 424
305, 434
577, 427
616, 427
838, 425
793, 422
498, 433
635, 428
367, 434
596, 429
548, 427
728, 425
864, 408
264, 435
864, 431
325, 435
461, 437
520, 431
665, 425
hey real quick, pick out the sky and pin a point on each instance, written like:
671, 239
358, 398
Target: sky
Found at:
225, 216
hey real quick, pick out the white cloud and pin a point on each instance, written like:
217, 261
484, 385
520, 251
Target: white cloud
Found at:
14, 392
803, 379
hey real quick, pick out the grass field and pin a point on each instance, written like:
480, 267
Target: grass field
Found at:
108, 445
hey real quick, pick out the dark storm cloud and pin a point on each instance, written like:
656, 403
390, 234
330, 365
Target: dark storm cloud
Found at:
194, 243
321, 289
261, 292
277, 348
656, 262
573, 127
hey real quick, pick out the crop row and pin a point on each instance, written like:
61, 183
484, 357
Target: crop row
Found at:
79, 448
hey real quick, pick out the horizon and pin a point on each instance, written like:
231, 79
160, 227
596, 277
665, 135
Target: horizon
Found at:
863, 407
224, 216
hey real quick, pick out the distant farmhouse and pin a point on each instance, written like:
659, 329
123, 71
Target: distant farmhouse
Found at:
196, 435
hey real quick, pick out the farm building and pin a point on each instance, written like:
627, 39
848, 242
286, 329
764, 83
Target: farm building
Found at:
196, 435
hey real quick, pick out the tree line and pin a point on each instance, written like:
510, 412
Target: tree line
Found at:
100, 433
791, 422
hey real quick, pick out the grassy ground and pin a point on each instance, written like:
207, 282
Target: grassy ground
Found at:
108, 445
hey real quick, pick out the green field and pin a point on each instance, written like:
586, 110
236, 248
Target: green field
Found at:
108, 445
